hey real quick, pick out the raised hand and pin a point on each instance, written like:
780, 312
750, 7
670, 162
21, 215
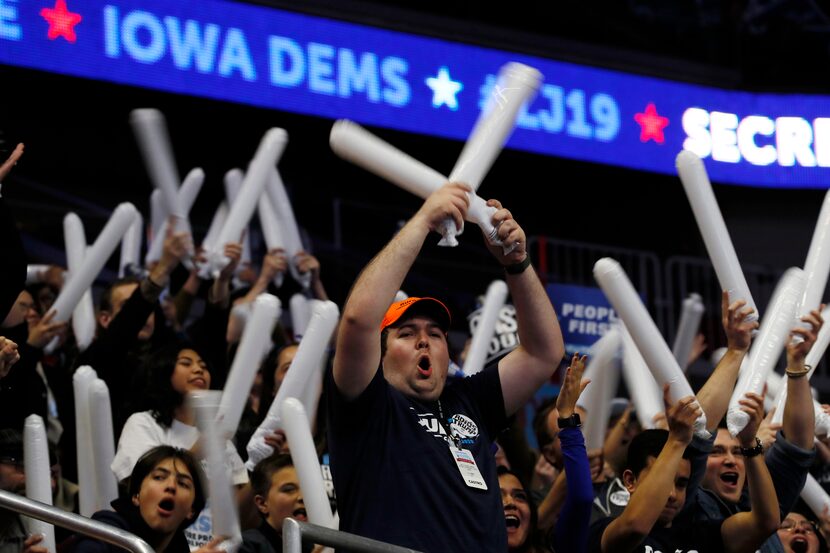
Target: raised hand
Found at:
572, 386
738, 330
510, 234
448, 202
681, 416
752, 405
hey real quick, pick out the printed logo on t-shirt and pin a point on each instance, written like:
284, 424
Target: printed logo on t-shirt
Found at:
463, 428
620, 498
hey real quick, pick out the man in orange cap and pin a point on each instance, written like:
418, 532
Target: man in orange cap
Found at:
412, 455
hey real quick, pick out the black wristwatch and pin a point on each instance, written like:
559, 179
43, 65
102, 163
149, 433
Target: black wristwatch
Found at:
749, 452
570, 422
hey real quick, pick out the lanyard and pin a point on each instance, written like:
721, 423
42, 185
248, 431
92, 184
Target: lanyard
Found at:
455, 440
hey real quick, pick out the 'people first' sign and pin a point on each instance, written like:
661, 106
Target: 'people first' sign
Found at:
584, 314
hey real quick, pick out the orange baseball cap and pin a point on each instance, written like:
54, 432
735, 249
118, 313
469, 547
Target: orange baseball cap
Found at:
431, 307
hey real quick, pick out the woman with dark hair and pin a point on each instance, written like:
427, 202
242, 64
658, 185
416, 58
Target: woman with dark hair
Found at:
172, 373
165, 495
797, 533
520, 515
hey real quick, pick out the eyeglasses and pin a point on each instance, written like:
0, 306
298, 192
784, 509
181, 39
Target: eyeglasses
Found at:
790, 525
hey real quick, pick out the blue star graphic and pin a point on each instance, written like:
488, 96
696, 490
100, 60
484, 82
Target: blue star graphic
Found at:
444, 89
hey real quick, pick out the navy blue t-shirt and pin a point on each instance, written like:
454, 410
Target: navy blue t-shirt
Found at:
701, 537
395, 478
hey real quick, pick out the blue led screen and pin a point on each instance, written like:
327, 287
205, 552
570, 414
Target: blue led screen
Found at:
276, 59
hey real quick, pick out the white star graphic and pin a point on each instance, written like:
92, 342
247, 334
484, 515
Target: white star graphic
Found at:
444, 89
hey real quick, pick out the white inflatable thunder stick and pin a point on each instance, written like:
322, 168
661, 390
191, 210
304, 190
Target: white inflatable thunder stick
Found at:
205, 405
38, 476
288, 225
643, 389
270, 148
233, 184
131, 247
36, 272
604, 373
216, 223
486, 328
515, 86
310, 353
814, 496
87, 479
158, 214
150, 129
767, 346
662, 364
304, 455
96, 256
687, 329
191, 186
252, 349
355, 144
271, 231
83, 316
103, 443
300, 314
815, 355
817, 264
713, 229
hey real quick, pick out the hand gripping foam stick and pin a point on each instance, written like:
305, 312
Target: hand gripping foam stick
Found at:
288, 225
768, 345
87, 483
191, 186
486, 328
516, 85
715, 235
268, 152
150, 129
131, 248
38, 476
355, 144
604, 372
271, 231
83, 315
817, 264
687, 329
304, 455
252, 349
644, 391
205, 405
309, 356
813, 358
620, 292
233, 184
103, 443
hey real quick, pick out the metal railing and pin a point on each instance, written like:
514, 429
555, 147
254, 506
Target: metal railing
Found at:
77, 523
294, 533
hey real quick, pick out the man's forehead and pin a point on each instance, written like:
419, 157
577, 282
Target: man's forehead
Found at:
417, 321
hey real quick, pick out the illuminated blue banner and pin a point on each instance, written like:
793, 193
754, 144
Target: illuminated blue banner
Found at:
275, 59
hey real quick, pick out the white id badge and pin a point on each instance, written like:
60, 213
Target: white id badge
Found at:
468, 468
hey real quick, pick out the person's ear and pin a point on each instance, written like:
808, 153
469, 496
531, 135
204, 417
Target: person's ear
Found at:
135, 500
629, 480
261, 505
104, 319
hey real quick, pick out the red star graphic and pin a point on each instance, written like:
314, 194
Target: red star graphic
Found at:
651, 124
61, 21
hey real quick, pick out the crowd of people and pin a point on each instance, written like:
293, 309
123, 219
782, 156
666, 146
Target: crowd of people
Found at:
418, 457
